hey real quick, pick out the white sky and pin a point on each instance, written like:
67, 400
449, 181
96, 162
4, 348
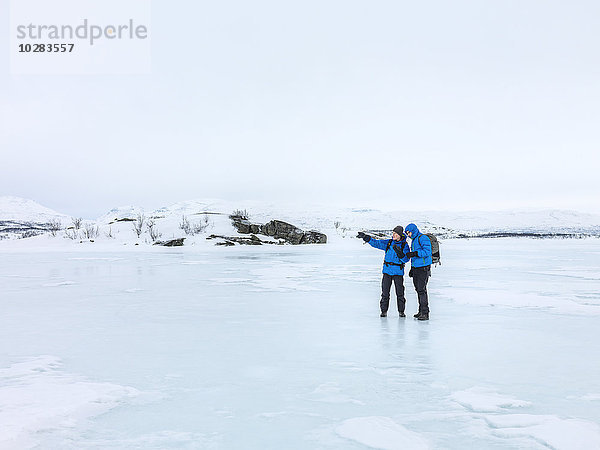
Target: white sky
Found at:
391, 104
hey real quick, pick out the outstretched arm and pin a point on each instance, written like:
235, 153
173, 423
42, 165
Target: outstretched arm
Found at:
381, 244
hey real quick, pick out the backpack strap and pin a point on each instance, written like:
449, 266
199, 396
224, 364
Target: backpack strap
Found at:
389, 244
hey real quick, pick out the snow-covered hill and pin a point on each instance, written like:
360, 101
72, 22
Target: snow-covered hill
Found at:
23, 218
23, 210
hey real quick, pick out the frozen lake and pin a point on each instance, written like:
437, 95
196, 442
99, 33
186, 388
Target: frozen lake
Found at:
283, 347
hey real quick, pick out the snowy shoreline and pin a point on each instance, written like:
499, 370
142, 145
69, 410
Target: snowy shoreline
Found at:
198, 219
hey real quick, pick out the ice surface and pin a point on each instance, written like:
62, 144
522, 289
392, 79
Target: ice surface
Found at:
482, 399
381, 432
550, 431
283, 347
35, 396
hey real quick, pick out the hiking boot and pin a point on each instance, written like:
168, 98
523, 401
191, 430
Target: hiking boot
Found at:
417, 315
402, 315
423, 317
383, 314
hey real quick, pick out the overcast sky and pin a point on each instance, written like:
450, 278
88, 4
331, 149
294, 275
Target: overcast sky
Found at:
390, 104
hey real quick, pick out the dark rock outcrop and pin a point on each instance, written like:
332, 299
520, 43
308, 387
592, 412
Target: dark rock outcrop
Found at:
171, 243
279, 230
225, 243
283, 230
232, 240
245, 227
314, 237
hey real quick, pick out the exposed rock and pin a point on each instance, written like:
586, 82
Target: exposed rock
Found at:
280, 230
283, 230
226, 243
231, 240
243, 226
171, 242
314, 237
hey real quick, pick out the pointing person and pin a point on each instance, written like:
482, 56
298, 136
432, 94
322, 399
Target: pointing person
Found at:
393, 267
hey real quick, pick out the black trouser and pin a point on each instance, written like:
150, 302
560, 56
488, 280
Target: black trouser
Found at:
420, 276
386, 285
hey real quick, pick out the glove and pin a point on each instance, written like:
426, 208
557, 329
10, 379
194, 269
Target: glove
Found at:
399, 252
410, 272
412, 254
363, 236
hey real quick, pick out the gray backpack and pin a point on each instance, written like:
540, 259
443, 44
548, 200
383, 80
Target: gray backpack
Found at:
435, 248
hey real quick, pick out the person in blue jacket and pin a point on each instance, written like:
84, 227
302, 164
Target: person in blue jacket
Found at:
393, 267
420, 267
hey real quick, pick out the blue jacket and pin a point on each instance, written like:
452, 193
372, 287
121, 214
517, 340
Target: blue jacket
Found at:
391, 256
420, 244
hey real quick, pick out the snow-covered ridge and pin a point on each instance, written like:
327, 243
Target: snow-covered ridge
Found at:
23, 218
18, 209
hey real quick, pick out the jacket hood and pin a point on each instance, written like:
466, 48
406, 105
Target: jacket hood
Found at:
413, 229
